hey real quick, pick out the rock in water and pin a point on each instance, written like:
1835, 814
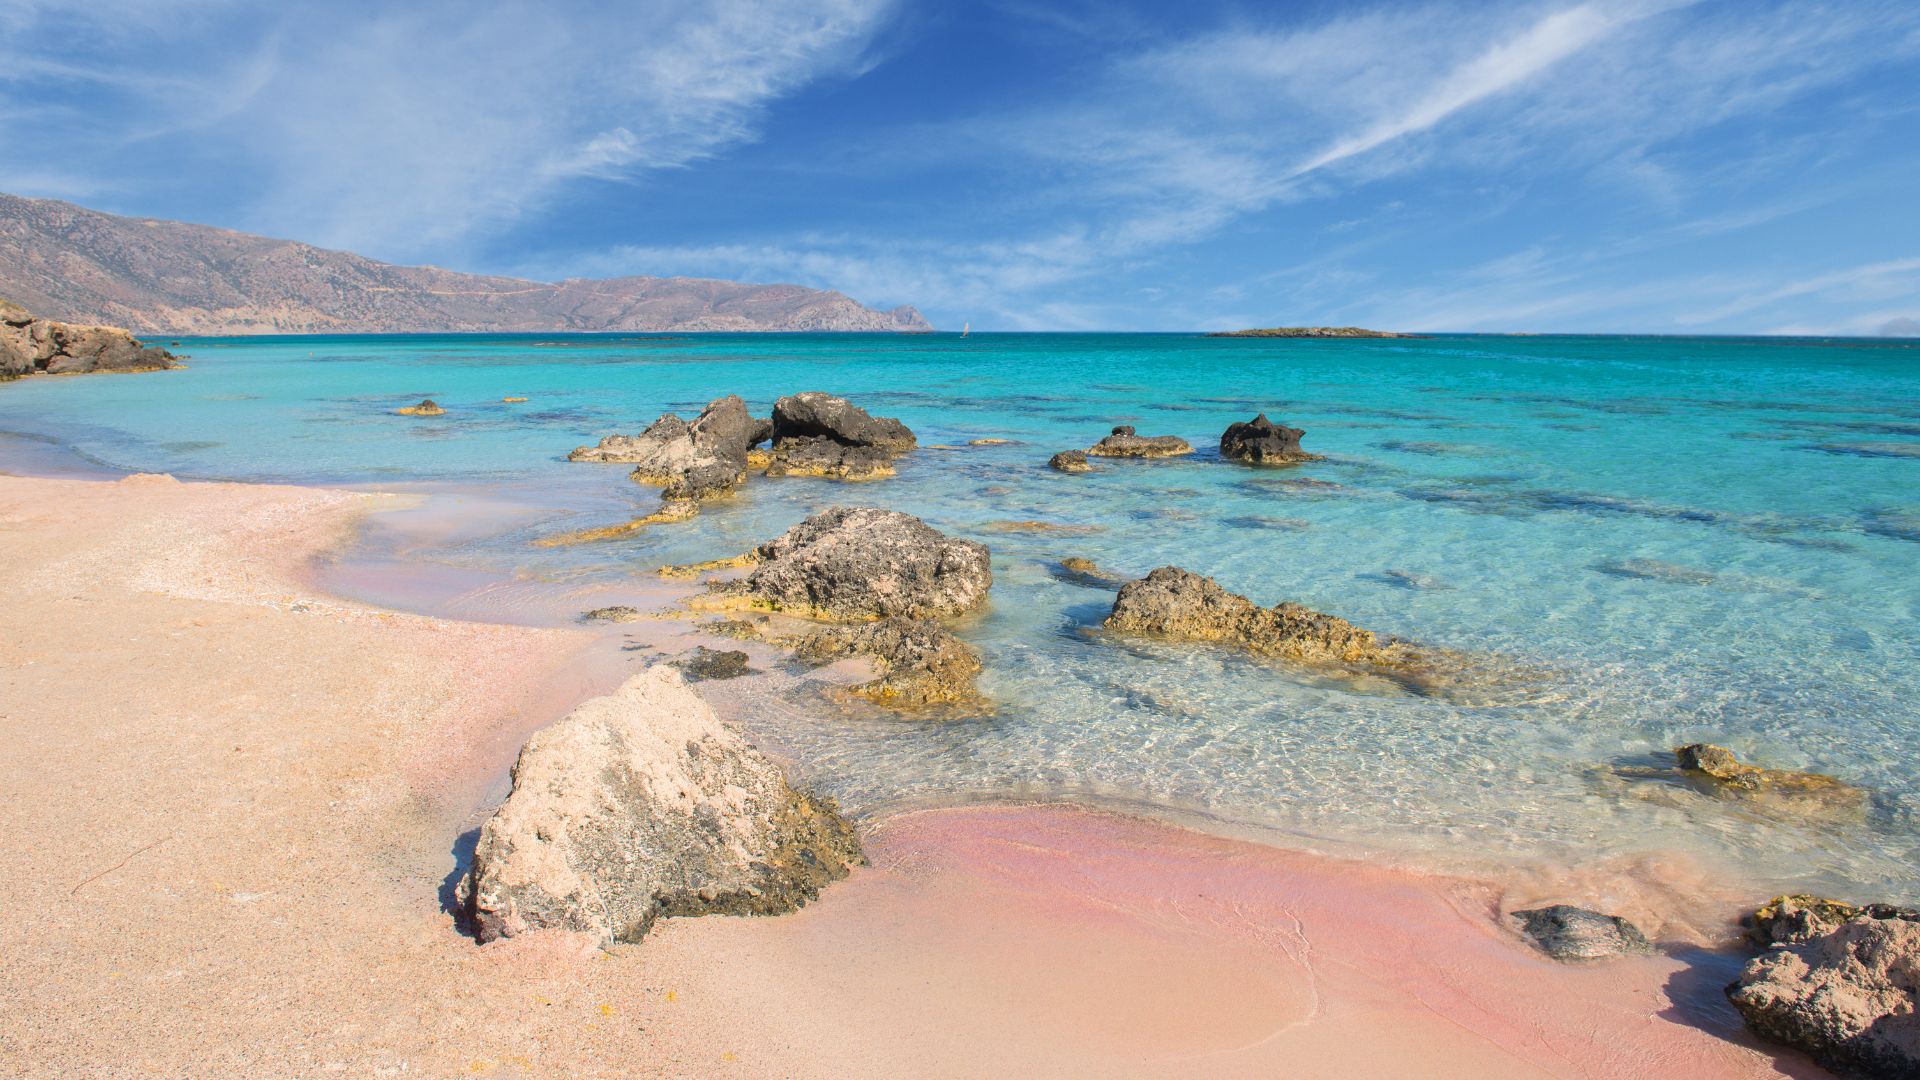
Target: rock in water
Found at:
705, 663
1716, 771
1263, 442
1847, 998
1569, 933
1070, 461
642, 804
816, 434
1125, 444
1180, 604
850, 564
33, 346
427, 407
920, 662
704, 459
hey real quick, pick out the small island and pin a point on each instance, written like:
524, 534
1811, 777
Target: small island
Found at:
1311, 332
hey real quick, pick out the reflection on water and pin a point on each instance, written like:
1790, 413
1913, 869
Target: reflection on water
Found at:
1623, 526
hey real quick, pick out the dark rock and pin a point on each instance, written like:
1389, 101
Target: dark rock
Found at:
920, 661
1849, 998
858, 563
1123, 443
427, 407
31, 346
707, 663
642, 804
1263, 442
1569, 933
704, 459
616, 613
1182, 605
1070, 461
820, 456
814, 415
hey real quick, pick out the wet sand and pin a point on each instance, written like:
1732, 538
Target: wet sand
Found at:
232, 805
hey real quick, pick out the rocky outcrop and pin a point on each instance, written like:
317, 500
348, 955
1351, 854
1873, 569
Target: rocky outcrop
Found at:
920, 662
35, 346
1310, 332
1798, 919
816, 434
1070, 461
642, 804
1849, 998
704, 459
850, 564
1123, 443
84, 266
1574, 934
1263, 442
427, 407
1715, 771
1183, 606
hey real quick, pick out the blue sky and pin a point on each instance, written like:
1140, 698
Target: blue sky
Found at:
1641, 165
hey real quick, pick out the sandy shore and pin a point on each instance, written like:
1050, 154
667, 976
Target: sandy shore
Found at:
231, 803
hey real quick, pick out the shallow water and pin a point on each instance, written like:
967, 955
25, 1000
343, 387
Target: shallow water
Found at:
1678, 539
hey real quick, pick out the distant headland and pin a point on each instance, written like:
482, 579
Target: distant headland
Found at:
1311, 332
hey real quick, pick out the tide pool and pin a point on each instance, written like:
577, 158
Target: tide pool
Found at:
1678, 539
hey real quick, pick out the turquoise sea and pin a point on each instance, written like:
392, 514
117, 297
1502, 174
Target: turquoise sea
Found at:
1675, 539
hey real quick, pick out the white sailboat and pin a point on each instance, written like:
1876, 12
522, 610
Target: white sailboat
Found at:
966, 328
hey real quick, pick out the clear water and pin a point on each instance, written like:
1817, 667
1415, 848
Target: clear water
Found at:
1689, 538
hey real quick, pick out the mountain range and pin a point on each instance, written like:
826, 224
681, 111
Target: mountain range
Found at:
66, 262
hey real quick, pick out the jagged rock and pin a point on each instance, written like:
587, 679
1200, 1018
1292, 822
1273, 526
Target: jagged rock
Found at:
1070, 461
1565, 932
427, 407
642, 804
814, 415
1847, 998
1175, 603
1263, 442
1798, 919
1123, 443
704, 459
616, 613
920, 662
707, 663
816, 434
856, 563
1717, 772
32, 346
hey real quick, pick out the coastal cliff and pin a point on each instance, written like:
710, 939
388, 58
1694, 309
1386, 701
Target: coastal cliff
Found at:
168, 277
34, 346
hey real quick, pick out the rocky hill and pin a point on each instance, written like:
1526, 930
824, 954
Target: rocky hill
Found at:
33, 346
164, 277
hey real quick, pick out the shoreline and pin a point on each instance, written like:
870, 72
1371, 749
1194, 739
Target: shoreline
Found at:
232, 856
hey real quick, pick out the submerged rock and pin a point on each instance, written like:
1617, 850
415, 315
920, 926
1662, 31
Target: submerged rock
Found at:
856, 563
426, 408
1263, 442
1715, 771
1070, 461
1568, 933
704, 459
1077, 571
705, 663
36, 346
642, 804
1799, 918
1849, 998
669, 513
616, 613
1180, 604
816, 434
920, 661
1123, 443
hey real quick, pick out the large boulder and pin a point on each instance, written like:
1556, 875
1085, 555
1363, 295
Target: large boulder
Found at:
704, 459
1847, 998
642, 804
30, 346
816, 434
1575, 934
1124, 443
920, 662
851, 564
1181, 605
1715, 771
1263, 442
